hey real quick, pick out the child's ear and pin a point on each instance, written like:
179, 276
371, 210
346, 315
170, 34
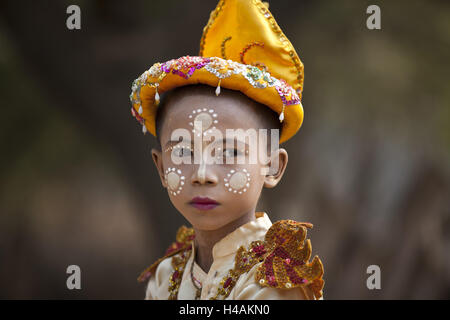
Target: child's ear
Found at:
276, 170
157, 159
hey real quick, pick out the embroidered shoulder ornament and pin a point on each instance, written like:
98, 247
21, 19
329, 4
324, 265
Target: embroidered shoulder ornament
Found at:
284, 255
286, 264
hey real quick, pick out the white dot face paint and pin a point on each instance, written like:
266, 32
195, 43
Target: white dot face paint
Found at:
203, 119
237, 182
174, 180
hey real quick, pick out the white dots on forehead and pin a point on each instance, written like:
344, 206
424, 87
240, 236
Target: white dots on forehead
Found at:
237, 181
203, 120
175, 180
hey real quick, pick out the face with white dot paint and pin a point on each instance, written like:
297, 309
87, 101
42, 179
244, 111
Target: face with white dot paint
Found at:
174, 180
210, 194
237, 182
203, 121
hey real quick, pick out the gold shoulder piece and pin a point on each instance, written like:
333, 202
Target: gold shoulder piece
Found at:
286, 264
183, 241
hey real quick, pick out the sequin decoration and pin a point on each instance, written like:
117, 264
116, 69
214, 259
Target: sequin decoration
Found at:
222, 47
224, 68
243, 262
262, 79
248, 47
286, 264
283, 257
287, 93
221, 68
179, 265
184, 66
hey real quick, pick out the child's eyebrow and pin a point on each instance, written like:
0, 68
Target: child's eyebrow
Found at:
225, 142
233, 142
172, 142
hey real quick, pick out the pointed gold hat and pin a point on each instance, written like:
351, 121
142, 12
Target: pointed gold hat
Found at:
242, 48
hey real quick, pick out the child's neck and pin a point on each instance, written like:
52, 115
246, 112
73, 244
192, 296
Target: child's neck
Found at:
206, 239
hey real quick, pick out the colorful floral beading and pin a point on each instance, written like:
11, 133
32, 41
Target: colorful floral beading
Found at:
286, 264
186, 66
178, 264
243, 262
283, 258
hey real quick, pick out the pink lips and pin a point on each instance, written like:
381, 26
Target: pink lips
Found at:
203, 203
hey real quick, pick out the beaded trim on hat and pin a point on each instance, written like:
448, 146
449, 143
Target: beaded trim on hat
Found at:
186, 66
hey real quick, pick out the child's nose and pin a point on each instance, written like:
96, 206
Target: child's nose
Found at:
204, 175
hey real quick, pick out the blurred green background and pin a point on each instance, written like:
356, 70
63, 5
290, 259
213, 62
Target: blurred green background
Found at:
370, 167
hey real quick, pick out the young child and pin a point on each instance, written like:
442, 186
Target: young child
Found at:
208, 125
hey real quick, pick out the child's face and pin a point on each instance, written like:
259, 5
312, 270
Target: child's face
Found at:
208, 193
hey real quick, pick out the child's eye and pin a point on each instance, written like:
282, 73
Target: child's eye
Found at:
182, 152
231, 153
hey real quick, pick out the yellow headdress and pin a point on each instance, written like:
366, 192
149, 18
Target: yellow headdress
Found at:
257, 60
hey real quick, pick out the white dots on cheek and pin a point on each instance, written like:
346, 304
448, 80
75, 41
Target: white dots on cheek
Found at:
174, 180
237, 182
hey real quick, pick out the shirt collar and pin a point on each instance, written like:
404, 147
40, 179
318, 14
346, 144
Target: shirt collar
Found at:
242, 236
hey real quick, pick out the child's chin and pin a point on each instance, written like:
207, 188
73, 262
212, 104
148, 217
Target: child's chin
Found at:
207, 220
